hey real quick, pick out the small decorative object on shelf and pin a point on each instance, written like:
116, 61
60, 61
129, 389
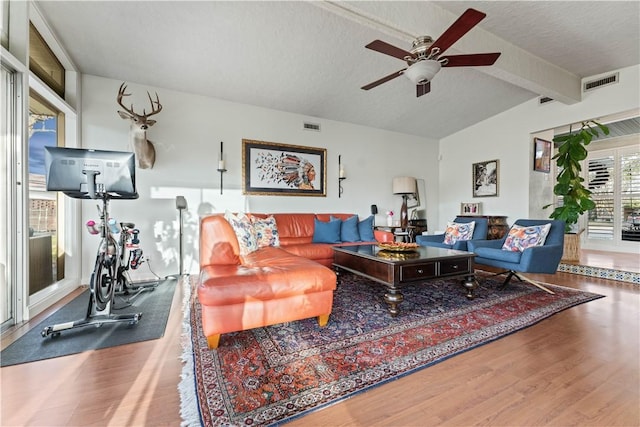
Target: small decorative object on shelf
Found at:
341, 176
389, 218
470, 208
221, 166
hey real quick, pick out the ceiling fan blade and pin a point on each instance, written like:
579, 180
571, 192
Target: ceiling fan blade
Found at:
383, 80
387, 49
463, 24
471, 60
423, 89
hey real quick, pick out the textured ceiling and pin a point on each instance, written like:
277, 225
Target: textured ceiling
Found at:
309, 57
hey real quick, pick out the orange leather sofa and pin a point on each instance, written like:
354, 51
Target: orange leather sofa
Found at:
269, 286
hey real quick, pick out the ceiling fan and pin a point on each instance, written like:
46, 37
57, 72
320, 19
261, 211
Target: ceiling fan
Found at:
425, 60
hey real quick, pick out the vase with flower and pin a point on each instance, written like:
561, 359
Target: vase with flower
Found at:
389, 218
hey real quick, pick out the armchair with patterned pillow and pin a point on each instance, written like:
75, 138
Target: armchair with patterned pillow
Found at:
457, 234
530, 246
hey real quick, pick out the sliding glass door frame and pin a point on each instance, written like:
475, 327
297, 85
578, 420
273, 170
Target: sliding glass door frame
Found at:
15, 208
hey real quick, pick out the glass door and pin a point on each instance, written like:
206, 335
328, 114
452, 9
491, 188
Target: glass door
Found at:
46, 258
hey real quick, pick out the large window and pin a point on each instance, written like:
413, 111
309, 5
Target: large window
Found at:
43, 62
614, 180
630, 194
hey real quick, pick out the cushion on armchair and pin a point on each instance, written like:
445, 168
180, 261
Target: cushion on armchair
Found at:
498, 254
457, 231
519, 238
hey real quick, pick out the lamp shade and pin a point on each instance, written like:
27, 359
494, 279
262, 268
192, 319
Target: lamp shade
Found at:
404, 185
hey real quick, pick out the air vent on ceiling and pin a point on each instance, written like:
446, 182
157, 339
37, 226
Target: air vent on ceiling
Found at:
544, 100
603, 81
312, 126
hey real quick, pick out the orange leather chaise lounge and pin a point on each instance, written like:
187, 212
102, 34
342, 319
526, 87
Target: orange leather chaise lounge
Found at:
270, 285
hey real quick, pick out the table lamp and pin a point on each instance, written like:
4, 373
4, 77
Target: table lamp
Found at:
404, 185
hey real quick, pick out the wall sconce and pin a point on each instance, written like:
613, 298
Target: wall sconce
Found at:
221, 166
341, 176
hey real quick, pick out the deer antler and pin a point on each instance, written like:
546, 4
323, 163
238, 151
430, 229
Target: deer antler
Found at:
154, 110
121, 94
139, 123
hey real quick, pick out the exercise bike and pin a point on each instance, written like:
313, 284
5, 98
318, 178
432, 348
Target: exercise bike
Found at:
108, 271
130, 259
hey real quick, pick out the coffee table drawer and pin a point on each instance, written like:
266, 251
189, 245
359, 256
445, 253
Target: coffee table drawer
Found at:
418, 271
454, 266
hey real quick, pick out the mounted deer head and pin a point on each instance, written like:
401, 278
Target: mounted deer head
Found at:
139, 123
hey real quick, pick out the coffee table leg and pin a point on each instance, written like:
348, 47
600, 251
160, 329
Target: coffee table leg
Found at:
470, 285
394, 297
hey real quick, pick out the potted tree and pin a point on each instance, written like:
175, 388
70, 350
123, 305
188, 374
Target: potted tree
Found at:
576, 198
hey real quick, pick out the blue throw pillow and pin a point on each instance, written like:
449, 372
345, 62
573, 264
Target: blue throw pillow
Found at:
365, 227
326, 232
349, 230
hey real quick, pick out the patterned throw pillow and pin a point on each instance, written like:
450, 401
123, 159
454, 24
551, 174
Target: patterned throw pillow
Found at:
245, 232
521, 238
458, 231
266, 231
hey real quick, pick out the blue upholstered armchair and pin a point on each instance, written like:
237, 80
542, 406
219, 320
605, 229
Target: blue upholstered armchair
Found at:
536, 259
437, 240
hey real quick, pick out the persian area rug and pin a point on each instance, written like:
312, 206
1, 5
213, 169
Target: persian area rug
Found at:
266, 376
154, 304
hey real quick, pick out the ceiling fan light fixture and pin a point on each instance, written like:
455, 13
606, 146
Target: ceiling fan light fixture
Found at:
422, 71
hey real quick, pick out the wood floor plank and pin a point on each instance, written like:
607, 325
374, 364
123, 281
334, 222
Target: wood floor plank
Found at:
579, 367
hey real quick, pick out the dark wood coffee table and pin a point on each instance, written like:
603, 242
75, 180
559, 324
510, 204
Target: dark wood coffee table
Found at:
394, 269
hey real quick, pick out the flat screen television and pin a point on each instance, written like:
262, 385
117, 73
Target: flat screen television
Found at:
91, 174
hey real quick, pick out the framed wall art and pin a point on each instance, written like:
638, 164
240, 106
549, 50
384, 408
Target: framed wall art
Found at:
485, 177
269, 168
541, 155
469, 208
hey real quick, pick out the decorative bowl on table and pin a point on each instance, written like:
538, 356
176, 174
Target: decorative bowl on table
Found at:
398, 247
398, 256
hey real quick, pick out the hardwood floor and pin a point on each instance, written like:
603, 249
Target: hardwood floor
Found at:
579, 367
613, 260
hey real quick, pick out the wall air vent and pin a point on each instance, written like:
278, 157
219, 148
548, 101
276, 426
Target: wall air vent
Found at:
544, 100
603, 81
312, 126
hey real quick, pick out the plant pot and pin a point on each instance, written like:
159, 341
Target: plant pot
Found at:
572, 246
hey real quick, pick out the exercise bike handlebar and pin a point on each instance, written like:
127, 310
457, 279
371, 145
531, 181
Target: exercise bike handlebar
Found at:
91, 183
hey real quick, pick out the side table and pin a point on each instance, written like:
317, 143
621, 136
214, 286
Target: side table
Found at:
407, 234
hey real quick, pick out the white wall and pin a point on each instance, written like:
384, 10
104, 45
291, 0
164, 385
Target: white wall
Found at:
541, 183
508, 137
187, 138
